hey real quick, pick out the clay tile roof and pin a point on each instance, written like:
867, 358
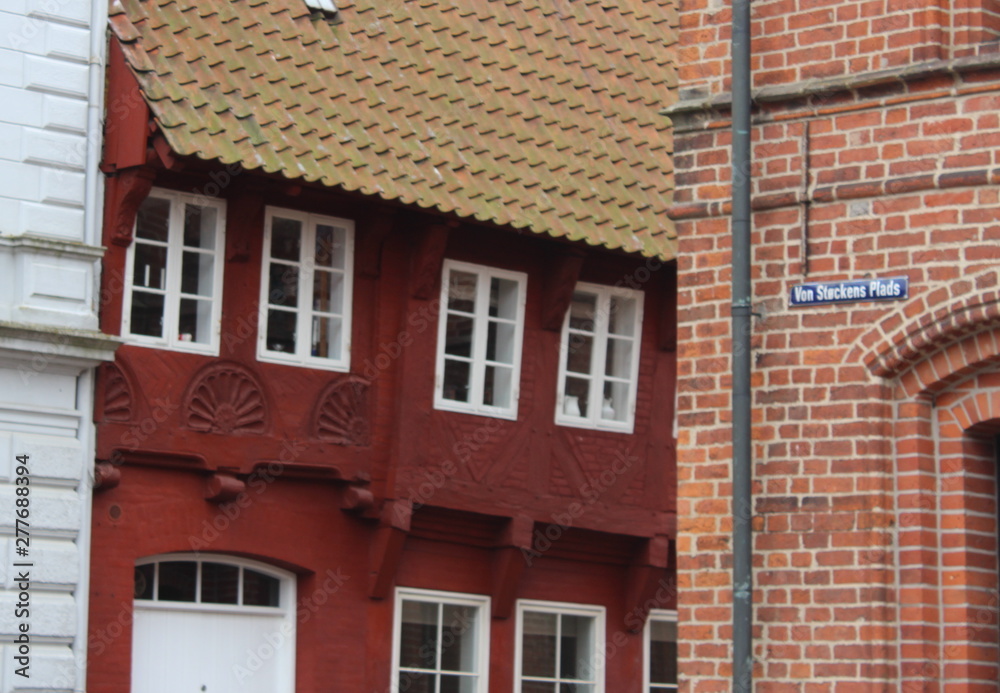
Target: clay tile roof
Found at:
537, 114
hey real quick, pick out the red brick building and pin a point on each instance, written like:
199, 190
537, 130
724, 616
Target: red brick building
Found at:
395, 404
876, 128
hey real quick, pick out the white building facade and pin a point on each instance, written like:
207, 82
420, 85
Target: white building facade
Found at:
52, 55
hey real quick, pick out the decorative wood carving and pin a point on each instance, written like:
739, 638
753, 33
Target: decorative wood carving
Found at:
509, 564
226, 398
425, 280
387, 549
222, 487
342, 412
125, 192
559, 284
118, 401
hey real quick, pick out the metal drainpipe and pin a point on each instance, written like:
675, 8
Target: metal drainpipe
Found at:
741, 315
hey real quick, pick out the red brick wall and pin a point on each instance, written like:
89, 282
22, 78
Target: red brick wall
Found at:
875, 486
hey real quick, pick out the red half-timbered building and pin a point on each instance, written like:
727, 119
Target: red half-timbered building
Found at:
394, 405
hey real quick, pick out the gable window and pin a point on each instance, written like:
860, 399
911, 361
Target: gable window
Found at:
306, 286
559, 648
440, 642
599, 358
661, 651
173, 283
231, 622
479, 340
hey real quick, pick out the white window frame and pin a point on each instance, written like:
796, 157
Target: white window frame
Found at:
480, 328
597, 613
593, 417
307, 265
661, 615
286, 601
480, 602
172, 281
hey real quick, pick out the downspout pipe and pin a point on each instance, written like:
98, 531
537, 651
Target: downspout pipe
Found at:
741, 326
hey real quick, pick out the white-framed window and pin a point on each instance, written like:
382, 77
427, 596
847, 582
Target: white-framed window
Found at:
660, 651
560, 647
173, 282
479, 340
305, 290
231, 622
440, 642
599, 358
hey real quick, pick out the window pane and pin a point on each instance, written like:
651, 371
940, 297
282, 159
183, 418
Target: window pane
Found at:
197, 273
618, 359
582, 310
328, 292
578, 353
199, 226
456, 381
327, 337
497, 388
577, 648
194, 323
153, 219
281, 331
617, 401
663, 652
538, 687
220, 583
503, 298
260, 589
576, 398
286, 239
146, 316
575, 688
150, 266
458, 336
622, 318
417, 682
144, 581
458, 684
177, 581
458, 639
500, 342
283, 286
418, 635
538, 645
461, 291
330, 246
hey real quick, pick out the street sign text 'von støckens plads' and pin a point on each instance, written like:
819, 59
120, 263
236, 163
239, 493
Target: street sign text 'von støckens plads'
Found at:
819, 293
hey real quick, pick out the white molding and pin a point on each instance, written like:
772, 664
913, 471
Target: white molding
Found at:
303, 310
594, 611
601, 336
480, 327
479, 601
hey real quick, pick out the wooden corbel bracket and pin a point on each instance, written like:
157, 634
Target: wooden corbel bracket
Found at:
559, 285
124, 192
387, 549
510, 558
425, 277
646, 582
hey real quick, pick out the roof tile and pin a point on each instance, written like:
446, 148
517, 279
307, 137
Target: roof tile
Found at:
539, 114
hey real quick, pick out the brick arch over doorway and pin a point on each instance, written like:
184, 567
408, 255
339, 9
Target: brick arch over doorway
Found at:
947, 413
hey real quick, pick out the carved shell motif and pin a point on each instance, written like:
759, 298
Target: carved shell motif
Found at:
117, 396
226, 400
342, 413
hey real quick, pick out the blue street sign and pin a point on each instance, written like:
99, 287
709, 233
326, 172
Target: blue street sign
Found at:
818, 293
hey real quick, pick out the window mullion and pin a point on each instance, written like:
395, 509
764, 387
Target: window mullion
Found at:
303, 347
480, 331
437, 654
172, 283
555, 669
599, 356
